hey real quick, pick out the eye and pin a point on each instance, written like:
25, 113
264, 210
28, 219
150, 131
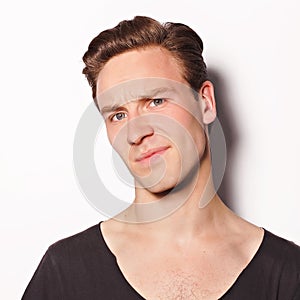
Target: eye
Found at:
118, 116
156, 102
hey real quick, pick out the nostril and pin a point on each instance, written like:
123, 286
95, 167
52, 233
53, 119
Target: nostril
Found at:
137, 131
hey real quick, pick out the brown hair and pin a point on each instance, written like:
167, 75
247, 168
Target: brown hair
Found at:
141, 32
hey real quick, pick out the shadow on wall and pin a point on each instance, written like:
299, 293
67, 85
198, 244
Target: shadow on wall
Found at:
226, 117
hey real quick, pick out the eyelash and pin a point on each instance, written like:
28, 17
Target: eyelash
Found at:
124, 114
152, 101
118, 113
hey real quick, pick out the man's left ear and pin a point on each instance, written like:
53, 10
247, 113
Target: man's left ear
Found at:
208, 103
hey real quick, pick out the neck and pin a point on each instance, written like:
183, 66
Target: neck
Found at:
192, 209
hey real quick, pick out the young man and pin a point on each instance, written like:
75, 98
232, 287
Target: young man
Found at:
177, 240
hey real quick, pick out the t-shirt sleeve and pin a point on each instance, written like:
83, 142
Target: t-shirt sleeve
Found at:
45, 283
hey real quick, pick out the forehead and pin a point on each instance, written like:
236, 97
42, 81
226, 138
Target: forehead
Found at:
144, 88
139, 64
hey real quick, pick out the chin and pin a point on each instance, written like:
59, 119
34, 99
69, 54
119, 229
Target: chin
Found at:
164, 186
161, 189
177, 184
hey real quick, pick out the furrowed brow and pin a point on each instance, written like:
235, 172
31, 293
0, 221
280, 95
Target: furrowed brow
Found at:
145, 94
154, 92
108, 109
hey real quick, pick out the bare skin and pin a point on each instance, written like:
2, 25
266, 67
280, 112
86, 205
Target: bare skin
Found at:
164, 262
194, 252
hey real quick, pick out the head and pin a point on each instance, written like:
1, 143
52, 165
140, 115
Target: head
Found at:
160, 133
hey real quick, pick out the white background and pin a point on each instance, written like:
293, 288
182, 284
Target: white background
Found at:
252, 46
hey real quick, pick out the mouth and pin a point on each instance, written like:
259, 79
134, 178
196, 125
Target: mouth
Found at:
146, 156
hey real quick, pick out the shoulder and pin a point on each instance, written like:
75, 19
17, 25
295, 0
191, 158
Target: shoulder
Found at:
280, 258
82, 239
273, 272
77, 267
277, 248
81, 247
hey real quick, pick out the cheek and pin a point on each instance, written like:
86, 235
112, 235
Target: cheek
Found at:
188, 114
191, 125
111, 137
118, 140
113, 133
192, 137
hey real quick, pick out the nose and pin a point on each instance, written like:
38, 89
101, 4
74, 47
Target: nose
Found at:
137, 130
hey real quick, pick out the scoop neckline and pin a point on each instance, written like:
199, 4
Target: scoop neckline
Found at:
238, 278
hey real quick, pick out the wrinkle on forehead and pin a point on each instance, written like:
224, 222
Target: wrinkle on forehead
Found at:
146, 88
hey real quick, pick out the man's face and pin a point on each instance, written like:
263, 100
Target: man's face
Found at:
152, 118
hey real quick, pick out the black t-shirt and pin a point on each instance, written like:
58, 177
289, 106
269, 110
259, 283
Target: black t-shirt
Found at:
82, 267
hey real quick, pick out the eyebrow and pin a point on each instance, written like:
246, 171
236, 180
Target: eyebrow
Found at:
148, 95
107, 109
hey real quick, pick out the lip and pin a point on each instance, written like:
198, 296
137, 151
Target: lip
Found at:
148, 154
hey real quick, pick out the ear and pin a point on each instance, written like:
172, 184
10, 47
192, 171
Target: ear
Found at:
208, 103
